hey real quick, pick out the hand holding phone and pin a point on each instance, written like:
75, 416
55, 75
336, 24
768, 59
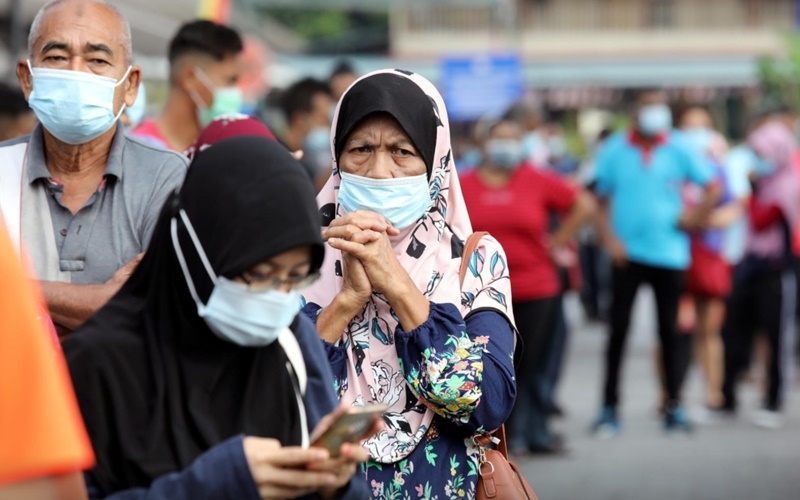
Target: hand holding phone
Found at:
347, 425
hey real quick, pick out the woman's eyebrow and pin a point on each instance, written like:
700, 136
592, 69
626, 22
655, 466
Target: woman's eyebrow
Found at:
358, 139
402, 141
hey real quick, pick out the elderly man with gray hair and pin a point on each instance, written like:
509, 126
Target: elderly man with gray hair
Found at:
77, 195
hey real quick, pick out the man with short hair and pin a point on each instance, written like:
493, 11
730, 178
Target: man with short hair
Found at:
640, 177
77, 194
308, 109
204, 67
16, 117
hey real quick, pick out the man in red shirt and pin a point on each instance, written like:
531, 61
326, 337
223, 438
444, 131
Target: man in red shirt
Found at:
513, 201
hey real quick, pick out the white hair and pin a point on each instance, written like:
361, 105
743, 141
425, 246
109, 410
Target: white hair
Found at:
36, 27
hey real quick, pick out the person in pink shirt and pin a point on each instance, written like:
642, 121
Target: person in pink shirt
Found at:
764, 290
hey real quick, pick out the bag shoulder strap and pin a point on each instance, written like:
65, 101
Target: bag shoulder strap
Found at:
498, 436
502, 446
469, 246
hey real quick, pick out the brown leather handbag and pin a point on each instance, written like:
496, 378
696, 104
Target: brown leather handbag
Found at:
498, 478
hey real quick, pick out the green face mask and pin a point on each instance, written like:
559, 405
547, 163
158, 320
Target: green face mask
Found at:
227, 101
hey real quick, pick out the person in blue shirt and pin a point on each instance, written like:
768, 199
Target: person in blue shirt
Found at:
640, 177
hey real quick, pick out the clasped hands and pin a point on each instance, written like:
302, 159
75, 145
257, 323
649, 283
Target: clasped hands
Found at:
369, 260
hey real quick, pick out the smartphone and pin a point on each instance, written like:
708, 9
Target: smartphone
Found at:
349, 425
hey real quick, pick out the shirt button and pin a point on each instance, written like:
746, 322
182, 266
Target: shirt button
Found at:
64, 232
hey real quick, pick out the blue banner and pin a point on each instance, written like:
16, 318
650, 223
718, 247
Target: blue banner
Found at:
480, 85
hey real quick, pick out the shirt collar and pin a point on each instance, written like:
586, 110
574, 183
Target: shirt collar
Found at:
636, 139
37, 166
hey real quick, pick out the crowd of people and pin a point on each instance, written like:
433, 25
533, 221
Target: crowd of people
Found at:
709, 227
193, 293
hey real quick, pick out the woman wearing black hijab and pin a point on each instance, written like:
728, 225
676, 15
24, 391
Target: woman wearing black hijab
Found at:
402, 326
203, 345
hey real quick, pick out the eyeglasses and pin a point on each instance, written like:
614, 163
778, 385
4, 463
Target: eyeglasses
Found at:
268, 283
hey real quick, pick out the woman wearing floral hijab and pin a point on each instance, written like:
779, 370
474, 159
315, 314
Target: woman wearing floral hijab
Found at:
398, 326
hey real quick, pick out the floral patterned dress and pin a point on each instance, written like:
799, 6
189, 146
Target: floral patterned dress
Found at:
444, 359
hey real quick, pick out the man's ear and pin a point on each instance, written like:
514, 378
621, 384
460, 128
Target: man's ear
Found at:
24, 77
187, 78
132, 90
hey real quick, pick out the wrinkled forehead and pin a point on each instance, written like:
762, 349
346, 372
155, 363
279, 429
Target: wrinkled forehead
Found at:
377, 123
77, 24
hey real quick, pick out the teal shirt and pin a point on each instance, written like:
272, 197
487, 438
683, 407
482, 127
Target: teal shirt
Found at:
644, 192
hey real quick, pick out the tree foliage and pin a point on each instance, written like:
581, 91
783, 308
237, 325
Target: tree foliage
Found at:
334, 30
780, 79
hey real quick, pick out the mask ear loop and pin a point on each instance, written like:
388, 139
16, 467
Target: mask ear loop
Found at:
182, 260
120, 82
198, 246
184, 268
121, 110
206, 81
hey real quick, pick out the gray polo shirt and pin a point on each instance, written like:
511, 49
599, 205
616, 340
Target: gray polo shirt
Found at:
118, 220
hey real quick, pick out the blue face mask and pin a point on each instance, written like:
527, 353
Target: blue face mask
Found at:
233, 312
532, 144
76, 107
317, 148
506, 154
318, 139
402, 201
763, 167
557, 146
472, 157
699, 139
654, 119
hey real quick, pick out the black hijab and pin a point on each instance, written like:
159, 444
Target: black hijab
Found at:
156, 387
402, 99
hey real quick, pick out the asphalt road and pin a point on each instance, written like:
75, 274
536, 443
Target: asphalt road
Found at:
730, 461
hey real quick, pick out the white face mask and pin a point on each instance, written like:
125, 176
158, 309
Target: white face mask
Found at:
75, 106
233, 312
654, 119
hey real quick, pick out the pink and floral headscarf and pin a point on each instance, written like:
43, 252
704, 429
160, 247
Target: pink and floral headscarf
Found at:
430, 250
775, 142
